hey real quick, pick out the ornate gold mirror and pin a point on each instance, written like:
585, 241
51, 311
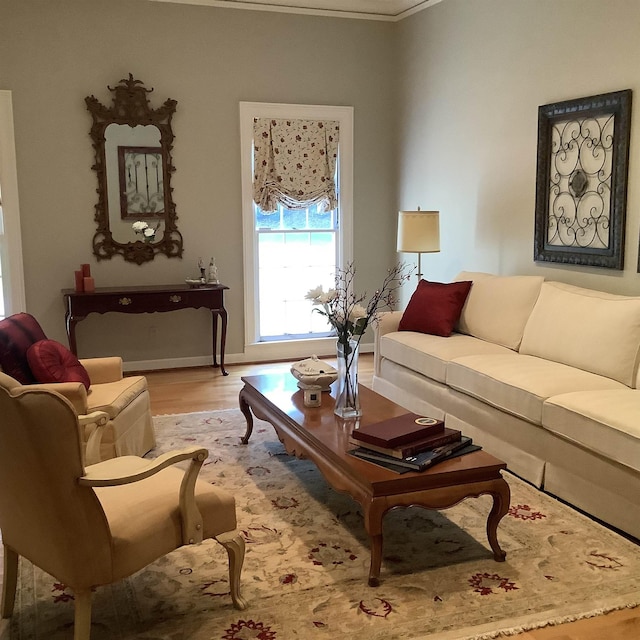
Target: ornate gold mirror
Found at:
135, 213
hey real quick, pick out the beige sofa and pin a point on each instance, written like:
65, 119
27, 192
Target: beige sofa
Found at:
542, 374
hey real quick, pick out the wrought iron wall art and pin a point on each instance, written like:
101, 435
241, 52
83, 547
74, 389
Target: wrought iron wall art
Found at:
128, 132
581, 185
141, 182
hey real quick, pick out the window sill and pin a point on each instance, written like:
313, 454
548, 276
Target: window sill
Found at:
295, 349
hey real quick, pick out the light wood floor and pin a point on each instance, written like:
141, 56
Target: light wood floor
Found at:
205, 389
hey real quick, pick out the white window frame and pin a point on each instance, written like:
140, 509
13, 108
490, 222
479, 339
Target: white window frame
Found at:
10, 235
255, 350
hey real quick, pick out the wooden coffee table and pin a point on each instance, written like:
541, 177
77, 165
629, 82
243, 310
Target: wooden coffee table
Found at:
320, 436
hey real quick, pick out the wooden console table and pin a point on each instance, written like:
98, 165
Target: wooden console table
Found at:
148, 299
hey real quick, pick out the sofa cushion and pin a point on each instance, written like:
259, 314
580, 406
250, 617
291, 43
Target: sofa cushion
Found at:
520, 384
17, 333
498, 307
113, 397
592, 330
605, 422
429, 354
435, 307
51, 361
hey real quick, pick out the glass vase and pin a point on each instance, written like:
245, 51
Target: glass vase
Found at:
348, 397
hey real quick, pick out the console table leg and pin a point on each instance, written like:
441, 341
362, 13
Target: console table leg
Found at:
223, 340
222, 312
246, 410
501, 496
214, 336
71, 323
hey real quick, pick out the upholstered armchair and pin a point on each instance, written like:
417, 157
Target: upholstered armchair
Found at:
76, 523
95, 387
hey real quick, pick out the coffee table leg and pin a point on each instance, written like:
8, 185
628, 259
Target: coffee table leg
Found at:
373, 514
501, 495
246, 410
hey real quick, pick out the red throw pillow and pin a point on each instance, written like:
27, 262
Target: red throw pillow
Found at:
435, 307
51, 361
17, 333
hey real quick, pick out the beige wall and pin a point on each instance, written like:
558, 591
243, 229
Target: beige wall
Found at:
472, 75
460, 83
53, 54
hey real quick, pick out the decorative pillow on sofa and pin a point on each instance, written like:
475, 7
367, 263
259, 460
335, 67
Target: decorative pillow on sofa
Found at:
435, 307
51, 361
498, 307
17, 333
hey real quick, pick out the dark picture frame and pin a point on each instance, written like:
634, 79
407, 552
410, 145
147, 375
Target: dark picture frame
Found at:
581, 180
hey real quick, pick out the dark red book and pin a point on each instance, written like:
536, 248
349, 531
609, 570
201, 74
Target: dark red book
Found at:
398, 431
447, 436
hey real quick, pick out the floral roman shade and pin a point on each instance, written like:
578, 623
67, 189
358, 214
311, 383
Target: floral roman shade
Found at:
295, 163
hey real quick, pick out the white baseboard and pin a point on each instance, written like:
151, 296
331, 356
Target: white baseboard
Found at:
264, 352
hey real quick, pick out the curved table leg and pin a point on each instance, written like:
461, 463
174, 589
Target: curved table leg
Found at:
214, 335
501, 497
246, 410
71, 322
223, 340
373, 513
222, 312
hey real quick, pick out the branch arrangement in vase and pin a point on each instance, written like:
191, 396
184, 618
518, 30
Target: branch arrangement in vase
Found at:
346, 312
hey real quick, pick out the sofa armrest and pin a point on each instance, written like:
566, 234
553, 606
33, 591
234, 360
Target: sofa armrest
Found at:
103, 370
74, 392
386, 323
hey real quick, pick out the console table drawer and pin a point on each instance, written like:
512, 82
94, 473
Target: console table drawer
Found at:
147, 302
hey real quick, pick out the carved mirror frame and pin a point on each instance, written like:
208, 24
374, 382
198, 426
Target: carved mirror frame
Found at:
131, 107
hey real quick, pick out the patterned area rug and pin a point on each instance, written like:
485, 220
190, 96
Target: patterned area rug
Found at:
307, 562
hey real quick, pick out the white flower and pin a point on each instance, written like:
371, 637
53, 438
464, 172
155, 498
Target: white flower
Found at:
325, 298
319, 296
148, 231
140, 226
314, 294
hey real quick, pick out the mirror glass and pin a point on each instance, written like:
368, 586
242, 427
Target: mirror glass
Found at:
135, 214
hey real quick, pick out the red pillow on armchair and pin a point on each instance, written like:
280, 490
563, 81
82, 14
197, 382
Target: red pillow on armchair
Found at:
17, 333
435, 307
51, 361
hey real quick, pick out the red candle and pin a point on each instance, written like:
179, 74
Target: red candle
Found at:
79, 281
89, 285
86, 270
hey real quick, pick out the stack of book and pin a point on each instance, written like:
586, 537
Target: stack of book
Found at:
409, 442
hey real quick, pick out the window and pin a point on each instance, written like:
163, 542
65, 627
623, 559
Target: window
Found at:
298, 247
12, 298
291, 250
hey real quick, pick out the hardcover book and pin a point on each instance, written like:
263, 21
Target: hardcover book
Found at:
446, 436
418, 462
398, 431
391, 465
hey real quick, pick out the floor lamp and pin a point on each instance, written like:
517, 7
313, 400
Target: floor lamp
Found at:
418, 232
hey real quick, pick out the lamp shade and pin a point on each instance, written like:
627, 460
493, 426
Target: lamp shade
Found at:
419, 231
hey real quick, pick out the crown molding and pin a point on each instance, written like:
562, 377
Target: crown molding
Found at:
386, 11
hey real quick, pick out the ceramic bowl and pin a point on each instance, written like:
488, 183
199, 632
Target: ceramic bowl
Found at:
312, 372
